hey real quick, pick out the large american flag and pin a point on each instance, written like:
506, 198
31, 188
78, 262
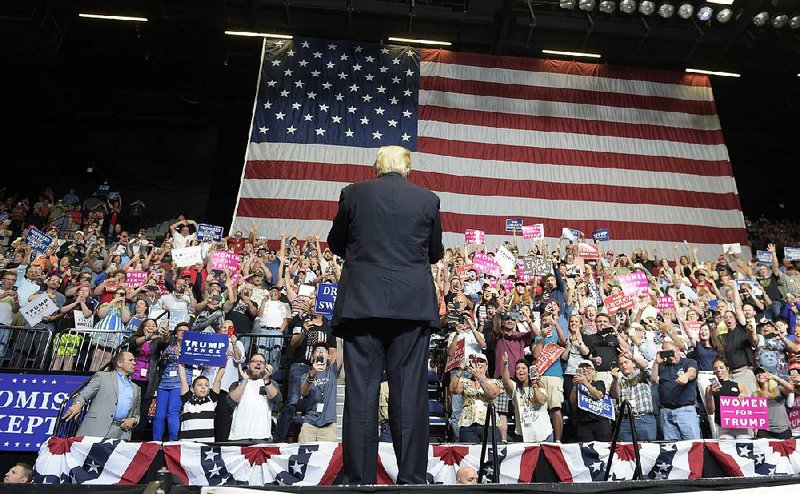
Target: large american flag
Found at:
566, 144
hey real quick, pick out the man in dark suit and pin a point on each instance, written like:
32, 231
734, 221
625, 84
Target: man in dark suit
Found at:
389, 233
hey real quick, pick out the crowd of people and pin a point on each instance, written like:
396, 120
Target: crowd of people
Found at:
546, 350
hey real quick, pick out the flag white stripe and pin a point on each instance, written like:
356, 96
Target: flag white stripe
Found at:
304, 228
570, 141
563, 109
513, 170
118, 462
566, 81
566, 210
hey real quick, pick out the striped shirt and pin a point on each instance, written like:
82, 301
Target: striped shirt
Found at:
197, 417
636, 389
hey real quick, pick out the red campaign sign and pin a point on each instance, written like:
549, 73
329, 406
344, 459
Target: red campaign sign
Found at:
794, 417
665, 302
462, 270
457, 358
534, 232
486, 264
617, 301
588, 251
474, 237
550, 353
135, 278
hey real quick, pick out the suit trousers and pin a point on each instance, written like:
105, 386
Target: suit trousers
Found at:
401, 347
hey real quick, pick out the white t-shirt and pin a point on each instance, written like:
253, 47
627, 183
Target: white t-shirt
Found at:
252, 417
180, 242
275, 312
6, 313
470, 343
532, 421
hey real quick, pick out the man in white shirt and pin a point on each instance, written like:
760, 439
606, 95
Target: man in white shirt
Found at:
179, 302
180, 233
273, 318
254, 399
9, 307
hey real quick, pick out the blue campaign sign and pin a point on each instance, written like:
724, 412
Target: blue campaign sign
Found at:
209, 349
209, 233
603, 407
38, 240
103, 190
514, 225
326, 298
764, 256
791, 253
600, 235
29, 405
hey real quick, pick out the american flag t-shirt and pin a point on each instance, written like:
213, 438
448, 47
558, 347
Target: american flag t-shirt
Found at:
565, 144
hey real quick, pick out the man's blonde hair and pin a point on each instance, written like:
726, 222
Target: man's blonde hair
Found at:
390, 159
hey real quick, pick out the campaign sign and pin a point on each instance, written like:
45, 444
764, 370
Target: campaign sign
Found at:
506, 260
508, 284
692, 329
486, 264
38, 240
764, 256
588, 251
514, 225
37, 308
474, 237
633, 284
457, 358
665, 302
732, 248
743, 413
613, 303
533, 232
28, 407
524, 275
794, 417
326, 298
550, 353
603, 407
135, 278
224, 259
462, 270
209, 349
187, 256
570, 234
81, 321
600, 235
791, 253
209, 233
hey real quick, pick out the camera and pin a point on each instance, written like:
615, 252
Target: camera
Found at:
666, 354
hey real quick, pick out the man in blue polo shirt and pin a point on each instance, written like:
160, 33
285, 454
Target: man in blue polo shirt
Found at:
675, 378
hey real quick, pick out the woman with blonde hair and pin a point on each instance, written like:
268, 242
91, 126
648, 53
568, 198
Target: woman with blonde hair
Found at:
775, 389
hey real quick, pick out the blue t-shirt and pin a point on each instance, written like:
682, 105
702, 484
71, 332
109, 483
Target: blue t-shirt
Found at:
322, 392
555, 370
169, 374
705, 357
674, 395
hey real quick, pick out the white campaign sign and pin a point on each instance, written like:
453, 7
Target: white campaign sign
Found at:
82, 322
187, 256
37, 308
506, 260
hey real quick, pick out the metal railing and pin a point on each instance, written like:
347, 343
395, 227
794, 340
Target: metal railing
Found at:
68, 428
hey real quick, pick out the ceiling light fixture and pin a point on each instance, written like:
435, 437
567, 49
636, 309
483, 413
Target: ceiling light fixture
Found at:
779, 21
607, 6
724, 15
114, 17
713, 72
666, 10
705, 13
567, 4
571, 53
420, 41
721, 2
587, 5
627, 6
257, 35
760, 19
685, 10
794, 22
647, 7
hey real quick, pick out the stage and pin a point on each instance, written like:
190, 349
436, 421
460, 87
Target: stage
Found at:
522, 466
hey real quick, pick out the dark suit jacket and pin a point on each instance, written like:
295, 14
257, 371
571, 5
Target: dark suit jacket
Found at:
389, 233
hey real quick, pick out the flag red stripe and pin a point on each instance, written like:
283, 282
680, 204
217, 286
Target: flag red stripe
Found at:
172, 455
334, 466
455, 222
527, 464
592, 159
725, 460
383, 477
562, 67
566, 95
479, 186
571, 125
141, 462
696, 461
555, 457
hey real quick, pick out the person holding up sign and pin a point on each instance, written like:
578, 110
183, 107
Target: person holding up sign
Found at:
775, 389
553, 376
589, 426
199, 406
722, 385
530, 402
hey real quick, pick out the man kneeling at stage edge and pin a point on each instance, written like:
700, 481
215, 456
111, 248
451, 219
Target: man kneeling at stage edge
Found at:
319, 393
114, 410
